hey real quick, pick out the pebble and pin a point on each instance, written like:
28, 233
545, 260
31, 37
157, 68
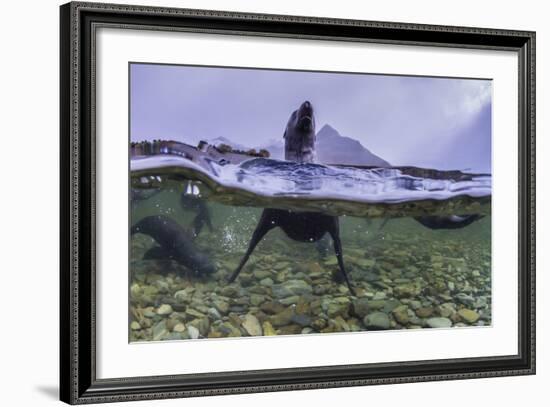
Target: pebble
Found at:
159, 330
165, 309
376, 304
193, 332
268, 329
468, 315
302, 319
446, 310
390, 305
282, 318
439, 322
424, 312
290, 300
401, 315
179, 327
465, 299
267, 282
261, 274
214, 314
252, 325
360, 307
222, 307
405, 290
290, 288
377, 320
379, 295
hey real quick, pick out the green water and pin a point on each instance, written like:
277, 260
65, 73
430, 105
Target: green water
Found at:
406, 276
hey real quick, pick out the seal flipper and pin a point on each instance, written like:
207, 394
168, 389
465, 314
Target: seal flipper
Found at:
334, 231
266, 223
198, 223
202, 218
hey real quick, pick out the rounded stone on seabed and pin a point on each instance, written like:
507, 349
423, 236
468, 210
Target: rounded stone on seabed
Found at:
360, 307
266, 282
179, 327
214, 314
446, 309
268, 329
377, 320
252, 325
439, 322
282, 318
135, 290
468, 315
425, 312
256, 299
379, 295
193, 332
165, 309
159, 330
400, 314
291, 288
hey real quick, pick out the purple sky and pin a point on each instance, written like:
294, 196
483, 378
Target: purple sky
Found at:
427, 122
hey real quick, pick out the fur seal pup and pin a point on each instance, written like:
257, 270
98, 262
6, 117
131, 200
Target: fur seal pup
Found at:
299, 226
197, 205
174, 243
300, 135
447, 222
436, 222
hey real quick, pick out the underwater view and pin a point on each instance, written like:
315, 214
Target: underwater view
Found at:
311, 233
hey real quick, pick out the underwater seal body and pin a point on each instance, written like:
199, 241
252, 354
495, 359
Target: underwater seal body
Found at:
299, 226
174, 243
202, 216
447, 222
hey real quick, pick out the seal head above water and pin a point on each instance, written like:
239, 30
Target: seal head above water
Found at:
300, 135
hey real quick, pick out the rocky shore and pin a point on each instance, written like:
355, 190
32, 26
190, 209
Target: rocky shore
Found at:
402, 282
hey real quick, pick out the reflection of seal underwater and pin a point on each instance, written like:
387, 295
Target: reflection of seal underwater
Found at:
300, 226
174, 243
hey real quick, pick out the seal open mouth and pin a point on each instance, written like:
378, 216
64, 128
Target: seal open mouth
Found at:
305, 116
305, 123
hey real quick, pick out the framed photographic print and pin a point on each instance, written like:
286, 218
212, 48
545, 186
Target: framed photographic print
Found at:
257, 203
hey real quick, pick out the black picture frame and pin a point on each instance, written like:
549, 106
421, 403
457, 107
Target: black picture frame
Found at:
78, 382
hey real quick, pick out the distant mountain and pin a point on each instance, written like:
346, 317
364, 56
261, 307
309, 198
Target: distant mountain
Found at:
332, 148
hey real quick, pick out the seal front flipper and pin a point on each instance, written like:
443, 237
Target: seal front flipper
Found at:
266, 223
334, 231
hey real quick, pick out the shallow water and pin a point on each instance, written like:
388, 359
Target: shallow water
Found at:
405, 275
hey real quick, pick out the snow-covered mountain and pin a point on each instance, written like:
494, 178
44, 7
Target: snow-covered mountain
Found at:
332, 148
